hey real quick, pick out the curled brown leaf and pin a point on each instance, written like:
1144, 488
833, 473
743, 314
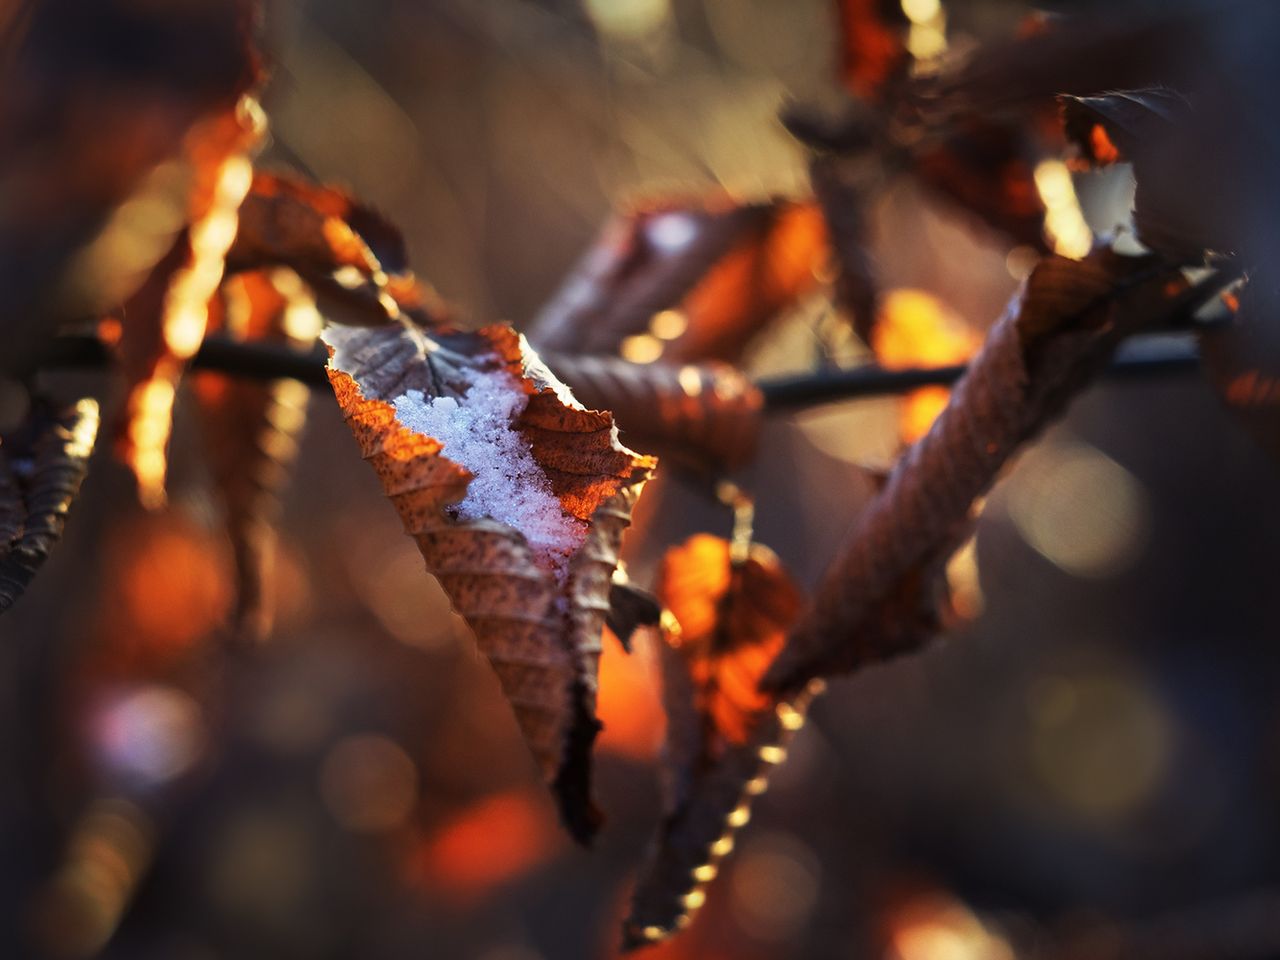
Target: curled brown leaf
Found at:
728, 617
534, 587
41, 468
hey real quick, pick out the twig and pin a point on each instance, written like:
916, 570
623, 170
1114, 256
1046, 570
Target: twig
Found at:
1157, 357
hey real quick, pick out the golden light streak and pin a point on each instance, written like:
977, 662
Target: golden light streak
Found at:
1064, 223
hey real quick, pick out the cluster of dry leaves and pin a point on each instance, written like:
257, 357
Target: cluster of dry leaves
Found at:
169, 235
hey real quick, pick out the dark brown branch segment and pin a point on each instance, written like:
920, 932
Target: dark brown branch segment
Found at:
261, 361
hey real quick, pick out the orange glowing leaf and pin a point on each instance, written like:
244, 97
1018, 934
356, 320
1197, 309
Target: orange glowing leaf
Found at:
686, 281
723, 734
352, 258
164, 322
873, 49
733, 618
517, 498
250, 431
42, 465
94, 183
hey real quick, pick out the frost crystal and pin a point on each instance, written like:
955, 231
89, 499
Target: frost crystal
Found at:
507, 485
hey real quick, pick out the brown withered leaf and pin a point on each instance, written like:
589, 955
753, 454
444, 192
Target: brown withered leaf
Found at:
630, 608
729, 616
704, 413
352, 258
987, 169
1242, 361
88, 137
725, 268
519, 513
1171, 144
42, 465
250, 431
163, 323
873, 49
875, 602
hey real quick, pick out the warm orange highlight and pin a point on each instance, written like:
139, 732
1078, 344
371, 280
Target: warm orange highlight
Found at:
772, 268
496, 840
1104, 151
733, 621
916, 329
629, 703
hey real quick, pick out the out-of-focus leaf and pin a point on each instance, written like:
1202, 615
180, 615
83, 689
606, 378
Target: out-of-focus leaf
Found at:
163, 323
723, 734
630, 608
987, 169
691, 281
41, 468
708, 413
873, 51
95, 102
1242, 361
844, 188
250, 431
1171, 144
349, 255
1053, 339
519, 514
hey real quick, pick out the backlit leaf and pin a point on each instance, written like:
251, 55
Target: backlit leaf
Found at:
352, 258
875, 601
517, 498
164, 322
250, 431
729, 618
41, 468
686, 281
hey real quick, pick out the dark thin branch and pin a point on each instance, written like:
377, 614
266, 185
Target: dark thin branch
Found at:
1154, 357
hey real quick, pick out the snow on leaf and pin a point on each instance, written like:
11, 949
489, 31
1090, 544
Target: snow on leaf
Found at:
517, 498
41, 468
728, 618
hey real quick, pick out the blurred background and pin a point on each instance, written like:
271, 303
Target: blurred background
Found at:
1092, 752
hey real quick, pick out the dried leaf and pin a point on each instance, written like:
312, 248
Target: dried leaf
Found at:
1170, 144
351, 257
519, 514
844, 188
873, 50
1242, 361
987, 169
723, 735
91, 200
1058, 332
699, 414
164, 322
41, 469
701, 278
630, 608
250, 431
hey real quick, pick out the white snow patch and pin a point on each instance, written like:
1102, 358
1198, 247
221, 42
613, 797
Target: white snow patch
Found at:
507, 484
